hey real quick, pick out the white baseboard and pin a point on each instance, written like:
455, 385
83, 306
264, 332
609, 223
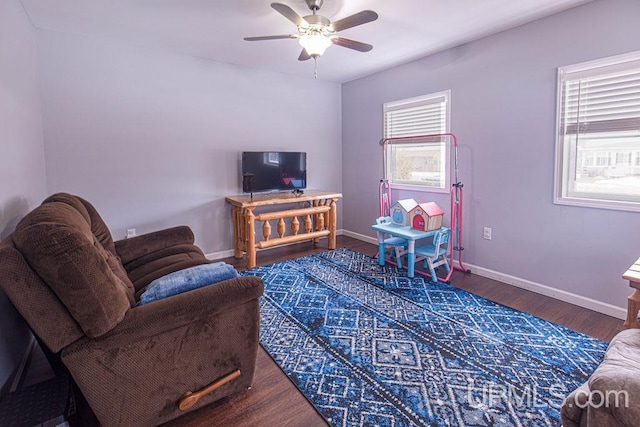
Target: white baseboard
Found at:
579, 300
220, 255
359, 236
230, 252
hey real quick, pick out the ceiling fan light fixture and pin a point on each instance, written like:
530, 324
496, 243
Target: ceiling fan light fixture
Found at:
316, 32
315, 44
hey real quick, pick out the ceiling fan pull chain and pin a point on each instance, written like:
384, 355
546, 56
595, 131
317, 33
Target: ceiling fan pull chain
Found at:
315, 68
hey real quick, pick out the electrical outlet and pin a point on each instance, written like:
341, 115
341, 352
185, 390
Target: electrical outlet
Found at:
486, 233
131, 232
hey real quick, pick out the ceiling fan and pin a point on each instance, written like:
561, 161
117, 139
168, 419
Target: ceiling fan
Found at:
316, 33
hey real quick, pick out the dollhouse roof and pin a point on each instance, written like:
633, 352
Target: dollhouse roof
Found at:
431, 209
406, 204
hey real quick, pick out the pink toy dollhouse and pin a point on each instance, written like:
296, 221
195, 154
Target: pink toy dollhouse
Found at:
426, 216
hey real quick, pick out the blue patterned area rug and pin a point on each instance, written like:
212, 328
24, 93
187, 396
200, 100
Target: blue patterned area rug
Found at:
369, 346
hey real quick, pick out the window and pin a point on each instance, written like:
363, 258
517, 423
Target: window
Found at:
598, 141
420, 163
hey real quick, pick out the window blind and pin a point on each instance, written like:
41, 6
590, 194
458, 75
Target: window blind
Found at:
420, 117
602, 99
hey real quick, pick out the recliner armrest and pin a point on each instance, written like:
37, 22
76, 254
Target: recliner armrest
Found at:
154, 318
611, 396
136, 247
141, 369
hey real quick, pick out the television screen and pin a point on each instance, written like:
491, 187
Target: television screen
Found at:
273, 170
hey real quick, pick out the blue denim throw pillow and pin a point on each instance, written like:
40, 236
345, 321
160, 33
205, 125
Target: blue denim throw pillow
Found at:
186, 280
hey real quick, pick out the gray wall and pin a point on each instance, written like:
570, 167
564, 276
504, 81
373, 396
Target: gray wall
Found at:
22, 170
153, 138
503, 112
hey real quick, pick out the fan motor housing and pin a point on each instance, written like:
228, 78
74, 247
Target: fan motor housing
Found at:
314, 4
317, 20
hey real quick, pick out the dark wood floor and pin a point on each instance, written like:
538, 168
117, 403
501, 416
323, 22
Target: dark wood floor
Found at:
275, 401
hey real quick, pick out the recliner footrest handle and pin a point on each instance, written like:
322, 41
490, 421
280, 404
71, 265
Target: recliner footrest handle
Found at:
191, 398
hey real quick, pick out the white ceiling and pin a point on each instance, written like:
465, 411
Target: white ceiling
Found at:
214, 29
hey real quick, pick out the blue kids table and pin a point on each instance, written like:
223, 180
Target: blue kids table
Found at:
406, 232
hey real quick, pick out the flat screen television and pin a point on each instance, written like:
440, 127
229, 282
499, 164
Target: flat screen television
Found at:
273, 170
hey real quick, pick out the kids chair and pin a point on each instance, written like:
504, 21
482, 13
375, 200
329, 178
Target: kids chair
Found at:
435, 255
398, 245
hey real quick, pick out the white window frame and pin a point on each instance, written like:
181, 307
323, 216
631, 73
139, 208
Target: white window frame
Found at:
411, 103
566, 150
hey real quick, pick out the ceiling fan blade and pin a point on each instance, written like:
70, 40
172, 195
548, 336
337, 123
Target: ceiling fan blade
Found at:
303, 56
354, 20
284, 36
290, 14
351, 44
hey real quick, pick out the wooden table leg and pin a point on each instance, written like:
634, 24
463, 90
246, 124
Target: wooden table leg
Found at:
333, 219
316, 224
250, 237
633, 306
238, 237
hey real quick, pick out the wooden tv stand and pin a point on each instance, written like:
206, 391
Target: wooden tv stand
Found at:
318, 220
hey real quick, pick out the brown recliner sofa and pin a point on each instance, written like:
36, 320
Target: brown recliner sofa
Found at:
77, 289
611, 395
